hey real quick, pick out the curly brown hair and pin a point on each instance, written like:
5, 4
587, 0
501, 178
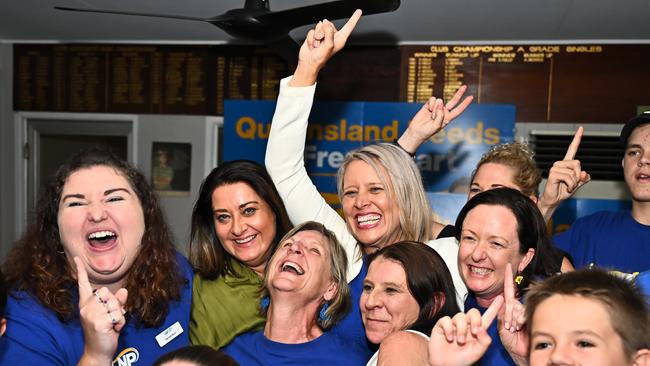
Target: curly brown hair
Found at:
519, 157
37, 266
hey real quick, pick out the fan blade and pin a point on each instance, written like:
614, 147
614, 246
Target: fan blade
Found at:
293, 18
133, 13
285, 47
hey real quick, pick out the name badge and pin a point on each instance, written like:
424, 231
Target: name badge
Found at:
169, 334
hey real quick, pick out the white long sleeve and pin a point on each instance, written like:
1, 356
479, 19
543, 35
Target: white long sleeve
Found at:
448, 250
286, 165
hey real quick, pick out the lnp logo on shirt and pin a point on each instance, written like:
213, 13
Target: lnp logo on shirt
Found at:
127, 357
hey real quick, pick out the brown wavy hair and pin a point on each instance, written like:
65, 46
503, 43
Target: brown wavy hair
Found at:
206, 253
37, 266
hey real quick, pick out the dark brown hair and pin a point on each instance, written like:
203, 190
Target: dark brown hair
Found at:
531, 230
427, 276
35, 264
207, 255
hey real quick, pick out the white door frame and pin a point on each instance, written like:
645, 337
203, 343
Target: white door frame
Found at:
21, 138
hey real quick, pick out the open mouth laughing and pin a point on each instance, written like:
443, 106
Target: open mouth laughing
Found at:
292, 267
102, 238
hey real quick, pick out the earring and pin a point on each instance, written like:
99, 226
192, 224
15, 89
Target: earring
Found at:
519, 279
322, 315
265, 302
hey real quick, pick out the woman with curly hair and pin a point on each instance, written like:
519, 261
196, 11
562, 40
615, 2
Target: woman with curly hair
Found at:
95, 279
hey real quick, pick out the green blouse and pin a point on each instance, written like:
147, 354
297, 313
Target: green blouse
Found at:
225, 307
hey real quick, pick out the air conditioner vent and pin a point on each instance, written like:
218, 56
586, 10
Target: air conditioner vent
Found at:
600, 155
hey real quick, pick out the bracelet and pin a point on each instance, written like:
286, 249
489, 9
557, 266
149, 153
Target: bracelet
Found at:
403, 149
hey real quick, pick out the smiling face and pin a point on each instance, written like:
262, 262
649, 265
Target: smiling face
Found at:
244, 224
490, 176
101, 221
386, 303
636, 163
371, 216
488, 242
301, 266
574, 330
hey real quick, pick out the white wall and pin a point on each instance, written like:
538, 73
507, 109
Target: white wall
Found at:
197, 130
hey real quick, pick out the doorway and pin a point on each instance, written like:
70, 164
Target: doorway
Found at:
52, 142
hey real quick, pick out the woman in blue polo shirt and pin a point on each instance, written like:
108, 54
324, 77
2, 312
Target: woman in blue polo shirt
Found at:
95, 278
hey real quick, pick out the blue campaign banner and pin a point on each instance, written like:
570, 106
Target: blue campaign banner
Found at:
338, 127
334, 129
448, 159
446, 206
246, 129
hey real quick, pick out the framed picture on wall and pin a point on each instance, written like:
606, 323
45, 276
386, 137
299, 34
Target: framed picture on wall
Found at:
171, 168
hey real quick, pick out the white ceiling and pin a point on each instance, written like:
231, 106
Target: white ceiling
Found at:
416, 21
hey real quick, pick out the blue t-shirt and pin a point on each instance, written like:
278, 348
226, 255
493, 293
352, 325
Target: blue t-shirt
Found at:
612, 240
254, 349
350, 328
35, 336
496, 354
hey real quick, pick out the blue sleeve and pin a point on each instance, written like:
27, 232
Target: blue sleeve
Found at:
563, 239
571, 241
33, 336
577, 241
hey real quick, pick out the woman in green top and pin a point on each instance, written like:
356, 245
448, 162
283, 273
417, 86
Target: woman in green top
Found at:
237, 222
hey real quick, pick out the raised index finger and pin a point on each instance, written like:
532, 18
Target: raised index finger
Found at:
347, 29
85, 290
573, 147
508, 284
488, 316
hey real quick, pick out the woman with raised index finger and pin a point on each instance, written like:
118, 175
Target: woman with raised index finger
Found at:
127, 295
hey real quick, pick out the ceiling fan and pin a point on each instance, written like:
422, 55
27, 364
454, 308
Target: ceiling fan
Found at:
256, 22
